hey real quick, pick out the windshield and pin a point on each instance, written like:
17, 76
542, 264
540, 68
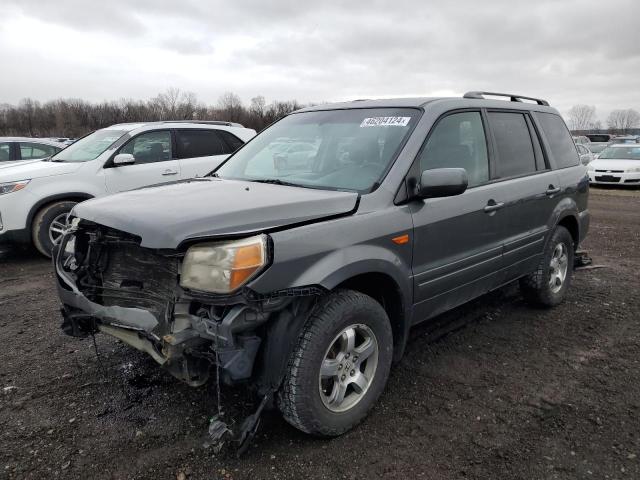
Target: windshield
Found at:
89, 147
620, 153
335, 149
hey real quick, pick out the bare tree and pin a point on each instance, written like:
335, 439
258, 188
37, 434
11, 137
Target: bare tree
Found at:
230, 106
582, 117
622, 120
76, 117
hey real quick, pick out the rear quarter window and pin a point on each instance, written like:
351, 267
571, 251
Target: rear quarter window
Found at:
563, 150
233, 142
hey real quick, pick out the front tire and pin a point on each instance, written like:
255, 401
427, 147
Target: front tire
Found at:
340, 365
48, 225
547, 286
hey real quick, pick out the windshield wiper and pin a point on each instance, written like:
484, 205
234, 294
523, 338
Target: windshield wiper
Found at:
277, 181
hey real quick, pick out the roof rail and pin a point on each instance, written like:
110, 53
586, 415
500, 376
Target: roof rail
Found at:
206, 122
514, 98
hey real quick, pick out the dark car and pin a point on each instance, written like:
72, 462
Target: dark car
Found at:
303, 281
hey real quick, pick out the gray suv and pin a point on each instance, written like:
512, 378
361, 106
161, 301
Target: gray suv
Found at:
301, 276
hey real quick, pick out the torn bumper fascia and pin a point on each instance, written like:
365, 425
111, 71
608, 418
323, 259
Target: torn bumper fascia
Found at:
234, 350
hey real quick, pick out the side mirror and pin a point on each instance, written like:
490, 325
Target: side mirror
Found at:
442, 182
124, 159
585, 159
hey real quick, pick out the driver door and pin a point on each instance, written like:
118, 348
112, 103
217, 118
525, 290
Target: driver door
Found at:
155, 163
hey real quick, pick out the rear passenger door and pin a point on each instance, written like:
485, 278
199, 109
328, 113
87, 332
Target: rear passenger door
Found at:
200, 151
529, 189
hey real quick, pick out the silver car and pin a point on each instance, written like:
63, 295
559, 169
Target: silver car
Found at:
20, 149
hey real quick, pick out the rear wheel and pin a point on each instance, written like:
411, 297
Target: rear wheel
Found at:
340, 365
548, 285
49, 224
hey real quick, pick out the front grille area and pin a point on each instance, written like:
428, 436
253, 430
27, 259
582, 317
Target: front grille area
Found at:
122, 273
608, 178
610, 171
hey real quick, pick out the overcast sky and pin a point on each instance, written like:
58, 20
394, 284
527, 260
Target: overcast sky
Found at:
568, 52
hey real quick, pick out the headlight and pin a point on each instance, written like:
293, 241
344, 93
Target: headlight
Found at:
11, 187
633, 170
224, 266
590, 167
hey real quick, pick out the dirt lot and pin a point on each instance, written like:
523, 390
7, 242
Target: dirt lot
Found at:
493, 390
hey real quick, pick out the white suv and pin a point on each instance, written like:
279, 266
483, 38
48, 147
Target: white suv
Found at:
36, 197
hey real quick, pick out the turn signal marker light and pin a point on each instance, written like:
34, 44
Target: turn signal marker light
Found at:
401, 240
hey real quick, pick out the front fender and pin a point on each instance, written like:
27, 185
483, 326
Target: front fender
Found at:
328, 253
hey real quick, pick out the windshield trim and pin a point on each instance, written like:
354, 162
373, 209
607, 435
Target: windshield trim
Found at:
392, 161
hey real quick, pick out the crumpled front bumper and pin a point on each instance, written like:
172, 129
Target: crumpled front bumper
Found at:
77, 307
226, 338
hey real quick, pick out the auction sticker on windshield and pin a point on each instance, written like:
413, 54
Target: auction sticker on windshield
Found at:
385, 122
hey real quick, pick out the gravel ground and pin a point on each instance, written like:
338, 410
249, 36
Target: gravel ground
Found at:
492, 390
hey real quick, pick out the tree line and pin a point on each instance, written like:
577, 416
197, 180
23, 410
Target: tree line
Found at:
583, 118
75, 117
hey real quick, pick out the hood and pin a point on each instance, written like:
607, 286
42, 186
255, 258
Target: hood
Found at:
166, 216
11, 163
613, 164
27, 169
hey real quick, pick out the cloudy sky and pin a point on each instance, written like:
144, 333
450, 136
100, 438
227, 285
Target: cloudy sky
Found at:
570, 52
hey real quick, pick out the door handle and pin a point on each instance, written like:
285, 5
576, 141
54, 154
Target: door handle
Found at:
552, 190
168, 171
492, 206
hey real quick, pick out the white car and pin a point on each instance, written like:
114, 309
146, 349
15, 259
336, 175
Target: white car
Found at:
618, 164
23, 149
35, 197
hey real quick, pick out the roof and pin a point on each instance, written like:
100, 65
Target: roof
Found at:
412, 102
471, 99
181, 123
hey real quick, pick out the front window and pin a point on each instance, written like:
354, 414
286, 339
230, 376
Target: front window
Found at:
335, 149
89, 147
150, 147
620, 153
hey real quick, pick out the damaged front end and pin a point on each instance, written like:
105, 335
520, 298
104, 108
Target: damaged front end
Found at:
108, 283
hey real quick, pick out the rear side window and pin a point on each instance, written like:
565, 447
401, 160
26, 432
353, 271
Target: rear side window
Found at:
562, 147
200, 143
30, 151
513, 144
458, 141
5, 152
231, 140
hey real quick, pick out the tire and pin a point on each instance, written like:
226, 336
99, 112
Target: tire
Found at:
43, 221
304, 399
537, 287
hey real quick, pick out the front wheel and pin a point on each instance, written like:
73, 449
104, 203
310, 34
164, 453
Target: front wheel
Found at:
340, 365
548, 285
49, 224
